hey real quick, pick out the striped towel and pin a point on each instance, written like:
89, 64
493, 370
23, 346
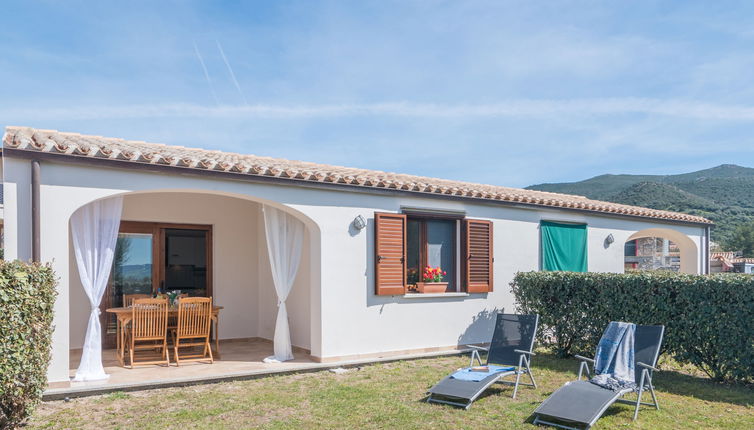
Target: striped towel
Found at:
614, 361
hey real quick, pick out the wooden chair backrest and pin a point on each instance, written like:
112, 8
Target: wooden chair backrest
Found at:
128, 299
194, 317
149, 319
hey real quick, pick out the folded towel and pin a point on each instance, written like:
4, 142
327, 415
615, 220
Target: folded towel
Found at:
468, 374
614, 361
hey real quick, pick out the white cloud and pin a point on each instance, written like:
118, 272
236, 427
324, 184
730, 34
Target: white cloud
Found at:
509, 109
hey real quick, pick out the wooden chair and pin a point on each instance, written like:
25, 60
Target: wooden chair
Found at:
173, 319
128, 299
194, 319
149, 329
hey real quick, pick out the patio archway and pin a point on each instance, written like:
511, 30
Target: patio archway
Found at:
661, 249
239, 274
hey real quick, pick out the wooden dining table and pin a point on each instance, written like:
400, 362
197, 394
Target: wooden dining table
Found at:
124, 314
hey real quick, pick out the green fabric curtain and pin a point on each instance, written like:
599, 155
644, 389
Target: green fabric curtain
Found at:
563, 246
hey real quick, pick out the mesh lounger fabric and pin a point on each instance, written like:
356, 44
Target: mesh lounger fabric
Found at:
591, 402
456, 388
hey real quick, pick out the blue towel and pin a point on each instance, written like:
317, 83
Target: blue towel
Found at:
467, 374
614, 361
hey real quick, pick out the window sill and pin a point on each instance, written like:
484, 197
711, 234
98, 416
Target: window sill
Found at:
434, 295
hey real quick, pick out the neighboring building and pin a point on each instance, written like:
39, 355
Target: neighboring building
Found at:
730, 262
722, 262
743, 265
193, 219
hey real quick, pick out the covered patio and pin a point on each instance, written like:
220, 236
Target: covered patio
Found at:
239, 357
205, 245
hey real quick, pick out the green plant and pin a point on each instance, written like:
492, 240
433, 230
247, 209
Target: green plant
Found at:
708, 319
27, 295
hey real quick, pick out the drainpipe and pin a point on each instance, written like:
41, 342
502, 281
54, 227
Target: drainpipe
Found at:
706, 249
35, 219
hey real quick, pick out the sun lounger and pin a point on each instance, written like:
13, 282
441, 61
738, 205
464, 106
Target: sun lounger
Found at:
508, 354
579, 404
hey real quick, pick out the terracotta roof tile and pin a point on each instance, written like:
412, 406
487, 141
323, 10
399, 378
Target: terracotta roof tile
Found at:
75, 144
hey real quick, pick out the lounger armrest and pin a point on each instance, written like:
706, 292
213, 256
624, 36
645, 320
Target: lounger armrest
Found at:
582, 358
639, 363
479, 348
524, 352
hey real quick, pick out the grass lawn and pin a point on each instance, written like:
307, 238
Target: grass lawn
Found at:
389, 395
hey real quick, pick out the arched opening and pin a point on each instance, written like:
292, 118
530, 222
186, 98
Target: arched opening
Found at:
212, 244
660, 249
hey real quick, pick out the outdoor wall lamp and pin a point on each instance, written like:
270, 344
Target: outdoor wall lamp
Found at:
609, 239
359, 222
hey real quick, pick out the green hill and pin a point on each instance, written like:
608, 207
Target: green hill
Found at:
724, 194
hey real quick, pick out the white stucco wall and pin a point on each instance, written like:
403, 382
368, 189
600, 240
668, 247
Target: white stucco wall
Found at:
345, 317
358, 322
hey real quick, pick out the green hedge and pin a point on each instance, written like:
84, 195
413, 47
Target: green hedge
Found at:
709, 320
27, 295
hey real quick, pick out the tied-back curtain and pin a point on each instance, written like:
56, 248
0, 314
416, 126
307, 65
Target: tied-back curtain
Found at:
563, 246
285, 239
94, 228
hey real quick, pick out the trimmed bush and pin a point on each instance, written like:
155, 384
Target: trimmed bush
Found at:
708, 319
27, 295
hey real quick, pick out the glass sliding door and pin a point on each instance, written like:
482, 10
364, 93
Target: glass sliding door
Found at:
185, 261
132, 265
133, 272
153, 258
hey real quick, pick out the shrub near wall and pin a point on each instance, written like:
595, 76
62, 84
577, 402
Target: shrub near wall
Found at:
27, 295
709, 320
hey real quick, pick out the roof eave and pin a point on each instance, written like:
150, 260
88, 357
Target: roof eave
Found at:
162, 168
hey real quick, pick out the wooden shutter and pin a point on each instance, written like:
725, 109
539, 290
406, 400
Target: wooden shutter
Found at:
479, 258
390, 253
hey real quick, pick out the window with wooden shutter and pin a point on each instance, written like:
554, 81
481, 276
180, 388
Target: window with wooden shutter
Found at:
479, 258
390, 253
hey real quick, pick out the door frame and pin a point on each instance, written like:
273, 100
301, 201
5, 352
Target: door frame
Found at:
157, 230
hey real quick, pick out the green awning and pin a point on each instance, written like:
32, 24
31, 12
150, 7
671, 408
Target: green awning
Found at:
563, 246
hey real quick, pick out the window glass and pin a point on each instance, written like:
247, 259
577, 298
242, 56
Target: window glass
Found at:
186, 261
132, 266
441, 248
413, 256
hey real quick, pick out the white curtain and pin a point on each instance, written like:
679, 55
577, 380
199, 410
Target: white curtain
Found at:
95, 232
285, 238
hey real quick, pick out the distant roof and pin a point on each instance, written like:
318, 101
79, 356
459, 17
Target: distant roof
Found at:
729, 258
98, 147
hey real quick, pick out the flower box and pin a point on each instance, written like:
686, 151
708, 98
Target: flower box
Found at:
432, 287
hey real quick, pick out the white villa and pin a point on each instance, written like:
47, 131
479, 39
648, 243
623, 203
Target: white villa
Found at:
194, 220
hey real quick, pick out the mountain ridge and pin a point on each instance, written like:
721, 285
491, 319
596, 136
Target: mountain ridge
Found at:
724, 193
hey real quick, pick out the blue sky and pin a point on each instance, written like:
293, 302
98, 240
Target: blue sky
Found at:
508, 93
